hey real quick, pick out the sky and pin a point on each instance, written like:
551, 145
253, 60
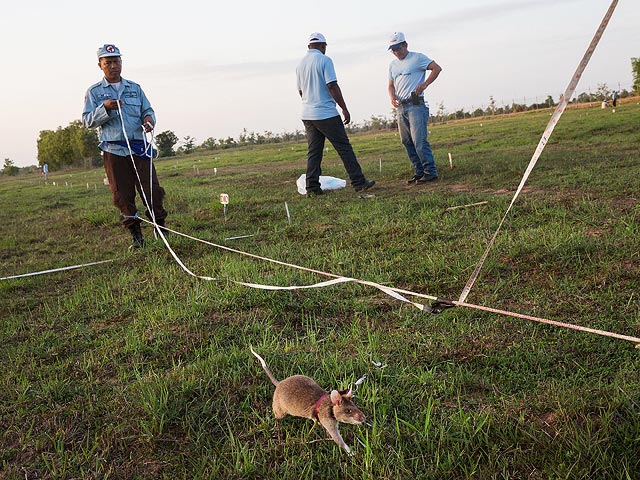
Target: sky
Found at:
212, 69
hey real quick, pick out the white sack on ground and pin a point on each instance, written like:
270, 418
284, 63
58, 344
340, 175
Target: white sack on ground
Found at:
326, 183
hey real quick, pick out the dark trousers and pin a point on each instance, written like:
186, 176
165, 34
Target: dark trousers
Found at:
123, 184
332, 129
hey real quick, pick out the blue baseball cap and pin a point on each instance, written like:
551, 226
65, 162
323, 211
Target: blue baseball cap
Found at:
108, 50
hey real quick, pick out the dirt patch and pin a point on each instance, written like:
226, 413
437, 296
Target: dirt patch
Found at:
625, 204
596, 232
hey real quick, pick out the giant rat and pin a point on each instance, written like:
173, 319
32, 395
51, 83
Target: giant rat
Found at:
300, 396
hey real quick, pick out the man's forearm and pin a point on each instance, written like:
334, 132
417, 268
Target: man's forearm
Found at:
336, 93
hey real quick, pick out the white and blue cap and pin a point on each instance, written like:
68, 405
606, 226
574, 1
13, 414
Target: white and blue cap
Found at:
396, 39
108, 50
317, 37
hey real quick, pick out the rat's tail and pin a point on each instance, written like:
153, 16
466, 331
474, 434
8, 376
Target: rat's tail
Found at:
264, 365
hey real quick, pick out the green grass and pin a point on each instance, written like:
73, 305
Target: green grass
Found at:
134, 369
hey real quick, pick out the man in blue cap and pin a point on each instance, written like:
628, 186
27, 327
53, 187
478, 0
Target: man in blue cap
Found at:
407, 84
318, 87
122, 113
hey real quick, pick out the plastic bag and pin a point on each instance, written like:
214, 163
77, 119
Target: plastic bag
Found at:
326, 183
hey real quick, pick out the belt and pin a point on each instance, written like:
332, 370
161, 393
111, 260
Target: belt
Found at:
407, 101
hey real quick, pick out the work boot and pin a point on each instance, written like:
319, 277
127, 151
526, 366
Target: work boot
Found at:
427, 177
365, 186
136, 235
314, 192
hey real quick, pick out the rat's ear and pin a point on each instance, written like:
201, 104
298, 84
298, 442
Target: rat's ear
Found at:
336, 398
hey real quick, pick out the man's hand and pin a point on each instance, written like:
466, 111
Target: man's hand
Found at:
346, 115
148, 124
336, 93
111, 104
392, 94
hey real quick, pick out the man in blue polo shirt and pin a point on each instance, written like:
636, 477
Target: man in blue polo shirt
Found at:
407, 84
108, 105
318, 87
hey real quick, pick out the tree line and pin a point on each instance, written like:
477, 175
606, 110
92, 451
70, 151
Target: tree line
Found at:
166, 141
77, 146
73, 145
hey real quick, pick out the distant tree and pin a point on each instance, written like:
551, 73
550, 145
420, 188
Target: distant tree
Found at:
46, 149
393, 122
585, 97
71, 145
549, 101
491, 109
603, 91
460, 114
441, 111
244, 137
229, 142
635, 71
209, 144
9, 167
165, 142
84, 144
189, 144
56, 148
377, 122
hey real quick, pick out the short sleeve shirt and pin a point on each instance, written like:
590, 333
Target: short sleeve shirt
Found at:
408, 73
313, 74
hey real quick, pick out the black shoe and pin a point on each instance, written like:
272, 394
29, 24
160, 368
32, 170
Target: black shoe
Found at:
365, 186
427, 178
315, 192
136, 235
414, 179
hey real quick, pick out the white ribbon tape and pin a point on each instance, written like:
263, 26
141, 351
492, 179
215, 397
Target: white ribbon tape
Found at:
543, 141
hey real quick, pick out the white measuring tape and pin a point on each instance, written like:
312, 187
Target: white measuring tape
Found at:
42, 272
396, 293
543, 141
393, 292
151, 144
337, 278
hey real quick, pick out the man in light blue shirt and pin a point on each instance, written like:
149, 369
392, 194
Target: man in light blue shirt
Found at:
407, 84
108, 105
319, 90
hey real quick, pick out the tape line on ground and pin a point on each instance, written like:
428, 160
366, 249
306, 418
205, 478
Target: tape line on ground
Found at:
42, 272
398, 294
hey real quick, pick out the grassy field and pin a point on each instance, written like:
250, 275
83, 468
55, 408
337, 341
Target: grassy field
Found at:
134, 369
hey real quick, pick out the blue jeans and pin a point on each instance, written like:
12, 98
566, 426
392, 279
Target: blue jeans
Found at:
332, 129
412, 124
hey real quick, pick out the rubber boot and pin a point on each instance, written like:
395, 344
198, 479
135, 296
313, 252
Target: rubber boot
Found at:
136, 235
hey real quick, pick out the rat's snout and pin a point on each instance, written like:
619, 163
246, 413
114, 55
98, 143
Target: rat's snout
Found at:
358, 418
